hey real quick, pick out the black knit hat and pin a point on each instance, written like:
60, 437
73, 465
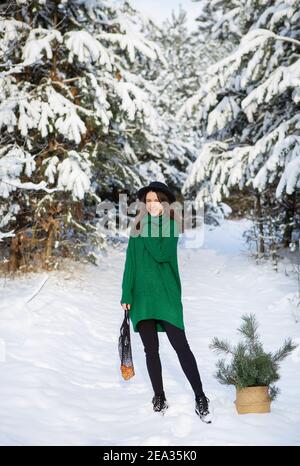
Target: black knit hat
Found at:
156, 186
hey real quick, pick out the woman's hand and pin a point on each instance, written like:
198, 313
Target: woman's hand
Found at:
126, 306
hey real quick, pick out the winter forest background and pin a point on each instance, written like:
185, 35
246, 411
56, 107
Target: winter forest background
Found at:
96, 100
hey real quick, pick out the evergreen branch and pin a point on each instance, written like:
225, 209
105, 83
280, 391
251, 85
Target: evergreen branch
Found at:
221, 346
251, 366
285, 39
225, 375
285, 350
249, 328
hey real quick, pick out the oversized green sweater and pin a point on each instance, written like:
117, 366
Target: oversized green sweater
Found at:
151, 281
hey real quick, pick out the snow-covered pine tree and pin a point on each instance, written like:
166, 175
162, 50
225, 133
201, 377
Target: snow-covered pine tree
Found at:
249, 107
177, 79
137, 123
177, 143
70, 111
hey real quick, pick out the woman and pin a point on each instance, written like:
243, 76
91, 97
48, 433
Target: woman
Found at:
151, 291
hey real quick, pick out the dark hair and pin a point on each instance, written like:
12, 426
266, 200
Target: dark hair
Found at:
168, 210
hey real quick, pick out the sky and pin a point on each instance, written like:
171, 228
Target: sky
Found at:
161, 9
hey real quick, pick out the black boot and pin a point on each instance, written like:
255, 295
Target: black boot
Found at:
160, 403
201, 408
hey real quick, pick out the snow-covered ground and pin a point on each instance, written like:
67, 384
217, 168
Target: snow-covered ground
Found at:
60, 376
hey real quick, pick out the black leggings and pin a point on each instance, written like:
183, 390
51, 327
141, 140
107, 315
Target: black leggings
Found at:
177, 338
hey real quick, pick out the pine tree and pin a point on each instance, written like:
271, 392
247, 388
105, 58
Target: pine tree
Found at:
73, 113
248, 108
176, 80
250, 366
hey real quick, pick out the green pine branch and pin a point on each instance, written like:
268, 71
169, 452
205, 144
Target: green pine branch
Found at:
221, 346
284, 351
250, 366
249, 328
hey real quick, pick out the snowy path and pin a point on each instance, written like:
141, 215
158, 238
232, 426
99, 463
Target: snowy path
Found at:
60, 376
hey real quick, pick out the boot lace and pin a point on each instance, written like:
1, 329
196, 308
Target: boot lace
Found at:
159, 402
202, 404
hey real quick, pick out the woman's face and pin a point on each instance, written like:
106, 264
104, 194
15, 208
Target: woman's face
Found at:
153, 205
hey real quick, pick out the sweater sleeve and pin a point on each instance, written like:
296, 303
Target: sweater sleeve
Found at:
128, 275
163, 248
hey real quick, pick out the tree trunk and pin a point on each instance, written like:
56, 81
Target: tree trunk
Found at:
15, 254
49, 243
289, 217
261, 244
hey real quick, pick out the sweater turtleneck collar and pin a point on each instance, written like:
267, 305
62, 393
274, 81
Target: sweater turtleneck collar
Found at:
154, 218
155, 223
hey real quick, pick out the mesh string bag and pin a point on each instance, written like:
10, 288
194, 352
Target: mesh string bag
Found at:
124, 346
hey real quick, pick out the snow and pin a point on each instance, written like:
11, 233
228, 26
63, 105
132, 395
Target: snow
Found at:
10, 29
73, 175
6, 235
281, 79
99, 100
60, 377
134, 100
275, 156
132, 40
11, 166
225, 111
35, 45
86, 48
249, 83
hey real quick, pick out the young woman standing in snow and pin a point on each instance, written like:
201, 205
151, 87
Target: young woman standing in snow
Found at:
151, 291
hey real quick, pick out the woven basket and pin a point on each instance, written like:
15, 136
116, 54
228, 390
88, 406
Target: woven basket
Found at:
253, 400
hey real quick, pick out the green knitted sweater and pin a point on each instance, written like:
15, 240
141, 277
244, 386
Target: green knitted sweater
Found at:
151, 281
